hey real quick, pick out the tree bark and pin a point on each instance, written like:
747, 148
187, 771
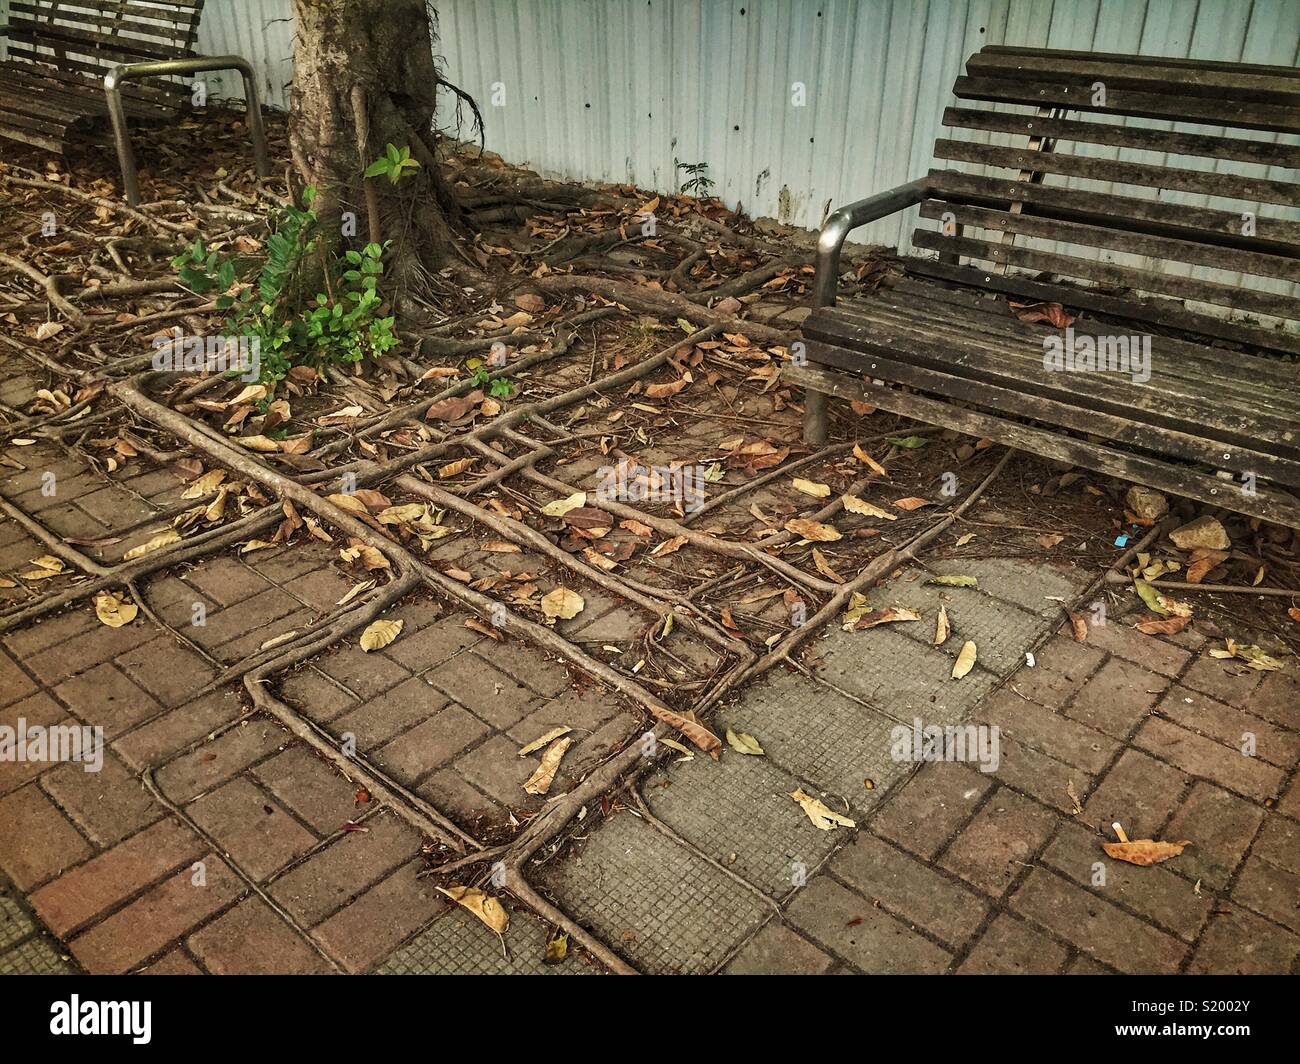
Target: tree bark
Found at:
365, 77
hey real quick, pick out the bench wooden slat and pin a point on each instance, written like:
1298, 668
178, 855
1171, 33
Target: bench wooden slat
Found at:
1167, 400
1237, 85
1142, 138
1266, 504
91, 42
1274, 118
1275, 305
167, 26
1278, 267
1117, 171
1273, 235
1146, 60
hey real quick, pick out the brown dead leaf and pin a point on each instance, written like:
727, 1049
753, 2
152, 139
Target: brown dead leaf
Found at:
1144, 852
806, 528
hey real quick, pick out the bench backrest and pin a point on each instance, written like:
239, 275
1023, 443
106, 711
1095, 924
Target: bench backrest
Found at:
89, 36
1110, 197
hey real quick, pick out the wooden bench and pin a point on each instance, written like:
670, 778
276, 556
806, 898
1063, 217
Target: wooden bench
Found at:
1106, 215
73, 60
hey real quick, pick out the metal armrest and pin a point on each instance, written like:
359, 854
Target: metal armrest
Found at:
130, 71
845, 220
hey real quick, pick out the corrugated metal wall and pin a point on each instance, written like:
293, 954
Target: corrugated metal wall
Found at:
259, 30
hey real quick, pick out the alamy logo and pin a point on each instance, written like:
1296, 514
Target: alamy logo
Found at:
39, 744
952, 742
177, 353
133, 1018
1074, 353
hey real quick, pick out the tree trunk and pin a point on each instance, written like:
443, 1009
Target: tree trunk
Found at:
365, 77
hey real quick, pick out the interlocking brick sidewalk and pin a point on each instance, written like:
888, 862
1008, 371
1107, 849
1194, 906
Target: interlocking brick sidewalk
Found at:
950, 869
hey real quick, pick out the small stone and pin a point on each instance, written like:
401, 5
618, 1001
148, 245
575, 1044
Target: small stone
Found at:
1146, 504
1204, 532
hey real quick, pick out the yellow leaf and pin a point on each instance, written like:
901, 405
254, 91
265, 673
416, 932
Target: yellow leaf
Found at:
163, 539
379, 634
854, 505
744, 743
544, 740
812, 530
561, 604
965, 660
560, 507
540, 781
113, 610
818, 813
811, 487
861, 455
204, 485
942, 629
454, 469
484, 906
1144, 852
262, 444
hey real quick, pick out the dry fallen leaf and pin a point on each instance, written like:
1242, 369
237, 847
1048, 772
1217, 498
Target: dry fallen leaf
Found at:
854, 505
812, 487
544, 740
560, 507
1162, 625
540, 781
812, 530
1144, 852
861, 455
484, 906
818, 813
941, 628
912, 503
561, 604
965, 660
113, 610
744, 743
163, 539
1078, 626
379, 634
889, 615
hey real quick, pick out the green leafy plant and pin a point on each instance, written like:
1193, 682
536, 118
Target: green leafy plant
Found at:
500, 388
697, 183
394, 164
277, 299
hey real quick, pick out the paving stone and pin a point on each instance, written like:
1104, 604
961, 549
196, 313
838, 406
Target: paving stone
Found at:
79, 652
250, 827
1279, 844
660, 905
40, 710
1270, 891
311, 787
174, 962
37, 841
433, 743
530, 667
246, 615
1034, 586
316, 695
378, 720
584, 710
325, 881
455, 797
214, 762
1241, 943
37, 956
1146, 651
903, 676
1139, 792
1041, 777
248, 644
365, 675
26, 642
820, 736
851, 927
107, 805
131, 935
285, 565
379, 920
610, 737
992, 850
1001, 631
105, 697
321, 590
931, 806
434, 644
1277, 698
1198, 756
1224, 679
1012, 947
114, 507
912, 891
1098, 928
1157, 893
150, 743
171, 673
1206, 716
739, 811
458, 944
1050, 733
1221, 827
251, 939
14, 682
15, 923
1117, 698
1085, 965
78, 896
776, 950
496, 769
485, 691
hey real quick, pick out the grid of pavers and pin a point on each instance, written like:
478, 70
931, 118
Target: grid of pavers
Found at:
952, 869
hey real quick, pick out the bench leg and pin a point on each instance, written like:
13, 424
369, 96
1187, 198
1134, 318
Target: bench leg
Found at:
814, 418
125, 157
